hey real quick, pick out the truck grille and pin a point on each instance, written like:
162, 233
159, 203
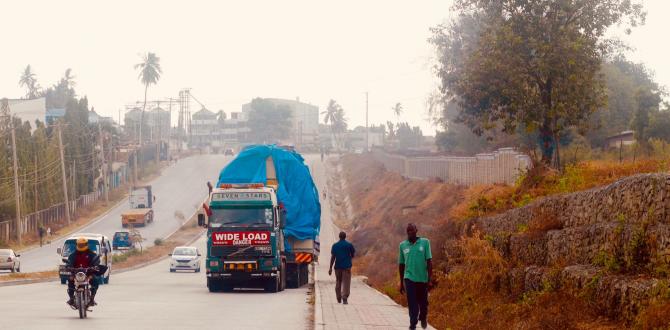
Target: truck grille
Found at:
224, 251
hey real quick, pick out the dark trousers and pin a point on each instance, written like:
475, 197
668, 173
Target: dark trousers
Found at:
70, 286
417, 301
342, 283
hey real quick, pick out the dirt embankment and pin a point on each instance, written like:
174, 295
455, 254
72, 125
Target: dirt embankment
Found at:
593, 259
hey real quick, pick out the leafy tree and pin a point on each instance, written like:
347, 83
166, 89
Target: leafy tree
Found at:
149, 73
408, 137
533, 64
29, 82
268, 122
659, 126
625, 81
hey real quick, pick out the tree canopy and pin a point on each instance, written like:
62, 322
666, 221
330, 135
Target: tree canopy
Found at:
534, 65
268, 122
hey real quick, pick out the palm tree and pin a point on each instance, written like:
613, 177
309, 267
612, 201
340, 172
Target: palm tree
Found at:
29, 82
150, 72
334, 115
397, 110
68, 79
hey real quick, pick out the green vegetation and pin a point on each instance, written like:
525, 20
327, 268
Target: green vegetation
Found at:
268, 122
149, 73
38, 157
536, 74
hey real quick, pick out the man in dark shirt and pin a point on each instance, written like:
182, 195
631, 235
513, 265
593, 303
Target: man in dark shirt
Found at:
340, 255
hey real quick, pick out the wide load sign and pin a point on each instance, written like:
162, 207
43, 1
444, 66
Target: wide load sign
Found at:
241, 238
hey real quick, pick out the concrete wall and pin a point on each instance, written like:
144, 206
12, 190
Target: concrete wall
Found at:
502, 166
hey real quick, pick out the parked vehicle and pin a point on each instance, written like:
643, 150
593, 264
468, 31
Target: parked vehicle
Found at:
141, 210
259, 235
185, 258
10, 260
97, 243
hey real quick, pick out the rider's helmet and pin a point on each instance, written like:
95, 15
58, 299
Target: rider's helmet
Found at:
82, 244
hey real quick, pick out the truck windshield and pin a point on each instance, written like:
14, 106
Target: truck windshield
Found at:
242, 216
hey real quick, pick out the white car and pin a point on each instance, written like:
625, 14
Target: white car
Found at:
185, 258
10, 260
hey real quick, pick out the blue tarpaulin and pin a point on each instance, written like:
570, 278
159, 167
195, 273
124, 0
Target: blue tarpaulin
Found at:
296, 188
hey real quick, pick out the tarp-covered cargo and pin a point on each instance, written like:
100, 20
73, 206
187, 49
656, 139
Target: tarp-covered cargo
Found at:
296, 189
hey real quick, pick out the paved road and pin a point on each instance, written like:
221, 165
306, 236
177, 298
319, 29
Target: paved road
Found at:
180, 189
154, 298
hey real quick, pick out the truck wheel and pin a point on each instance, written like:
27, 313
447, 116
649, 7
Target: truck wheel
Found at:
272, 285
213, 285
292, 276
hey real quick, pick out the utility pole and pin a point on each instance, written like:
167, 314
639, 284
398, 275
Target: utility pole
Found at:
62, 167
7, 117
103, 164
17, 193
367, 128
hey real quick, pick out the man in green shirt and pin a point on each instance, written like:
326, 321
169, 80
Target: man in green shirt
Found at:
416, 270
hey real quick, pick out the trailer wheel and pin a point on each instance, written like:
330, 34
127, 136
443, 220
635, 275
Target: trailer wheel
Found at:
292, 276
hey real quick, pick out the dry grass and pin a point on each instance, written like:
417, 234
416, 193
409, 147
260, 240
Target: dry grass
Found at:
473, 289
484, 200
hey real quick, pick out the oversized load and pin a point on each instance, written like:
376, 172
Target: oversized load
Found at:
296, 189
262, 219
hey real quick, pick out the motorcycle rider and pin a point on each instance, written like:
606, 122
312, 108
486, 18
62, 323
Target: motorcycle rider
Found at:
83, 257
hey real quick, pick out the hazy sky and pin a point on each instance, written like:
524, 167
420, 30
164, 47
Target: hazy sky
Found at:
229, 52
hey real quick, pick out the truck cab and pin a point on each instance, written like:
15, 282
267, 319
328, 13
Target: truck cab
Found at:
244, 238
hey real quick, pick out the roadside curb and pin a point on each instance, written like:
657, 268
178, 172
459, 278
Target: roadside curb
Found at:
318, 309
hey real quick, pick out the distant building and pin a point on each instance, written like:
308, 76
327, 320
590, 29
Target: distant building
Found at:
304, 121
235, 129
624, 138
355, 139
29, 110
54, 114
205, 130
156, 123
95, 118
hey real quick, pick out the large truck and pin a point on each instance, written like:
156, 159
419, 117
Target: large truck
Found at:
263, 217
141, 210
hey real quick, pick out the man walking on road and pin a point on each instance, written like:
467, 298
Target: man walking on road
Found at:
341, 254
416, 270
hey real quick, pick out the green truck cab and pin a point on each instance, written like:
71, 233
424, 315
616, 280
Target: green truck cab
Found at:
244, 239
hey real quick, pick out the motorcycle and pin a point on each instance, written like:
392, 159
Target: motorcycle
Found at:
82, 290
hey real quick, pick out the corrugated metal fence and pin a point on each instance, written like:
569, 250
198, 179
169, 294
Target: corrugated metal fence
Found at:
501, 166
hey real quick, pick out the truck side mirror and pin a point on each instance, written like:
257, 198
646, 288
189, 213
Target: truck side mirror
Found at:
201, 220
58, 250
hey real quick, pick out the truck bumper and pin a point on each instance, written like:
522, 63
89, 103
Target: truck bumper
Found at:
243, 276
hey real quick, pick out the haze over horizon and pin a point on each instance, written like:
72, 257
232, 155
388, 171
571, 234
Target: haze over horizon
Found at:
229, 53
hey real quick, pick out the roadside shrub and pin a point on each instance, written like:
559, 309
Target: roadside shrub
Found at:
158, 242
